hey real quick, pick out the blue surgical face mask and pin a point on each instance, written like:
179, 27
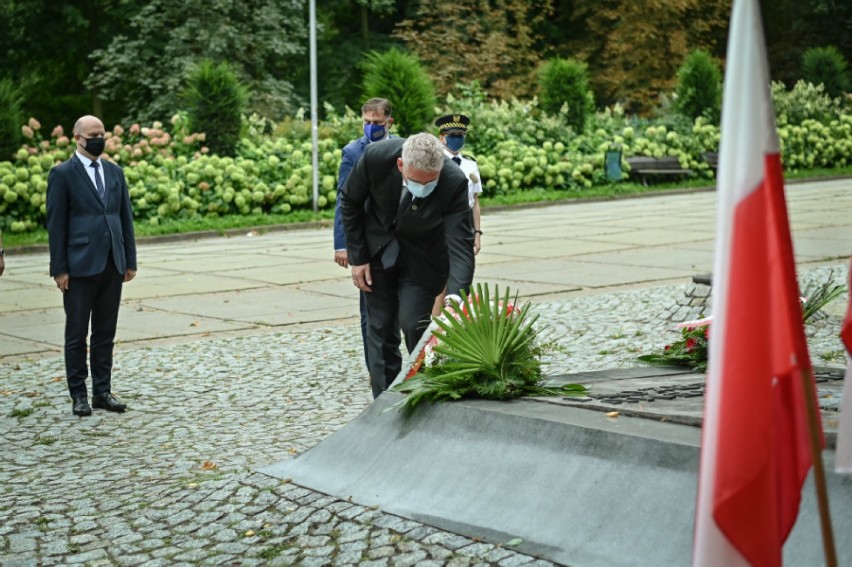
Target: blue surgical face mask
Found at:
375, 132
420, 190
454, 142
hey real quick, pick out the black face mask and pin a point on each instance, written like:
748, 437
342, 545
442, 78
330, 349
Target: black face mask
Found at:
95, 146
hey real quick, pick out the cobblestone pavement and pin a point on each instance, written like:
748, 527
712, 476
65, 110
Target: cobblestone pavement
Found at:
172, 481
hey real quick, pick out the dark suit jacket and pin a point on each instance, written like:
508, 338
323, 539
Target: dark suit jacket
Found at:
81, 229
435, 234
350, 155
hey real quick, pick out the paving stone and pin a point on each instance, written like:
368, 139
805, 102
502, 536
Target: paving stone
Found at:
248, 404
408, 559
515, 559
348, 558
448, 540
88, 557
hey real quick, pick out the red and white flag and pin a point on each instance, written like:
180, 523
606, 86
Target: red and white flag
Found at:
755, 451
843, 455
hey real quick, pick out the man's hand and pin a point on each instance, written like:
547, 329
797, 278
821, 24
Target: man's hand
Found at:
476, 244
341, 258
61, 282
129, 275
2, 265
361, 277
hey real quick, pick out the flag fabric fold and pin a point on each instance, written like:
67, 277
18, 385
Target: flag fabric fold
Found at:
843, 455
755, 450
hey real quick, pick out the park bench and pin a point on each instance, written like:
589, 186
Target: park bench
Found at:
712, 159
645, 167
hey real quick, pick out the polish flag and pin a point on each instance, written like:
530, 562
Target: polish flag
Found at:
755, 451
843, 455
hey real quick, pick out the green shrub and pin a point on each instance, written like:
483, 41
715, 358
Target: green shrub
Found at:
399, 77
805, 101
498, 121
564, 88
215, 101
826, 66
10, 119
699, 87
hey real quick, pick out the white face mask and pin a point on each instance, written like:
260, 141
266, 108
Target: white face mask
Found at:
420, 190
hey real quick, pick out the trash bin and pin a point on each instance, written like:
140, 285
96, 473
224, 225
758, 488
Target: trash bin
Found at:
612, 164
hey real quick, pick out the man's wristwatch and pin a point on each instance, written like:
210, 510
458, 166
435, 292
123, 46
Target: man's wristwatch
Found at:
477, 232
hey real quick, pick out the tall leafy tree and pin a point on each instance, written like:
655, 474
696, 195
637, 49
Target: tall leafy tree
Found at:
346, 30
792, 26
634, 47
492, 41
44, 46
265, 42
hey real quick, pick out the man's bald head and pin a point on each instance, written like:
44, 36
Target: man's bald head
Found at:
89, 135
87, 122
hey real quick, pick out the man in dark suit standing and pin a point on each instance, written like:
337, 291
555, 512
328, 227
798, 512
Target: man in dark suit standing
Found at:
408, 233
92, 253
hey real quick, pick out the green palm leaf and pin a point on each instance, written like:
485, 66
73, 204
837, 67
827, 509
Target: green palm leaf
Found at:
489, 350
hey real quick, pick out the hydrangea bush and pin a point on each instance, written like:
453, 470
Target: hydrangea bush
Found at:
172, 175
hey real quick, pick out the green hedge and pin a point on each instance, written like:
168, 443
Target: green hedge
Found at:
171, 175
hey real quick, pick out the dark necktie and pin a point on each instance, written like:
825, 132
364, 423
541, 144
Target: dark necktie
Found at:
391, 251
99, 183
457, 159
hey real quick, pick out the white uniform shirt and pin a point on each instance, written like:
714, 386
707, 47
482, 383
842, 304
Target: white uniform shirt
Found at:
471, 171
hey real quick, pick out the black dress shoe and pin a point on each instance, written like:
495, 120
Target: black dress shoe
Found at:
108, 402
80, 406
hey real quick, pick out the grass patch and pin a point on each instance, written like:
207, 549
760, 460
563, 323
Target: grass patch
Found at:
833, 355
46, 440
272, 552
21, 413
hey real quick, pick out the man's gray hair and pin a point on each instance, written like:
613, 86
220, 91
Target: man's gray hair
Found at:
423, 151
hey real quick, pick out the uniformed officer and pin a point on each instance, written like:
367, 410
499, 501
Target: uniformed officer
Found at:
452, 130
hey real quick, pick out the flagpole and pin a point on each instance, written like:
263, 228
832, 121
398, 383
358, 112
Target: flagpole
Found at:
819, 471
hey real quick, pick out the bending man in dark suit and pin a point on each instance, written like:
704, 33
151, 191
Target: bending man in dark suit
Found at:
408, 233
92, 252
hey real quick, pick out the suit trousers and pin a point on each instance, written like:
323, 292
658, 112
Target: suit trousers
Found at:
396, 300
94, 298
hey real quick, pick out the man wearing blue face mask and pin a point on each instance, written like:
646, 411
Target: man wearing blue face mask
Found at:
376, 115
408, 230
452, 130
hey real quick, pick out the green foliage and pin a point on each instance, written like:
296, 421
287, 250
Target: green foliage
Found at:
564, 87
215, 101
689, 350
10, 119
826, 66
818, 295
523, 154
486, 348
399, 77
146, 64
699, 87
495, 43
805, 101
